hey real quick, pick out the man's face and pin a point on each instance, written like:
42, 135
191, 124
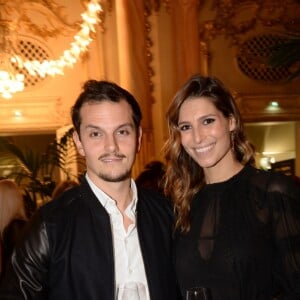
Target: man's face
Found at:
108, 140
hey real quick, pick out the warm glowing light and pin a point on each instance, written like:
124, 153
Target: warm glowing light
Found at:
273, 106
18, 113
11, 83
265, 163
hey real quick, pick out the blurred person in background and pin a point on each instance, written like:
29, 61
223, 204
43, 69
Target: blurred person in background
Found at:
12, 219
152, 175
63, 186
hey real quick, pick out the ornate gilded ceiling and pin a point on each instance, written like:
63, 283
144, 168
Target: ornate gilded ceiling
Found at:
234, 18
43, 18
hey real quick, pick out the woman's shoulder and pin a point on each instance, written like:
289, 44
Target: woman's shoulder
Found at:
12, 233
14, 225
275, 182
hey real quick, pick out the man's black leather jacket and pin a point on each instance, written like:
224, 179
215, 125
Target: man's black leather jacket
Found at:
67, 250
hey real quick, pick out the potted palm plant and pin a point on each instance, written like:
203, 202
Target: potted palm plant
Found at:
38, 173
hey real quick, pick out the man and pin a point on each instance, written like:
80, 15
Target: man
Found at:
105, 232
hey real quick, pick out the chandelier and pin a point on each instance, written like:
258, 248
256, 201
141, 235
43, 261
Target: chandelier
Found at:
12, 81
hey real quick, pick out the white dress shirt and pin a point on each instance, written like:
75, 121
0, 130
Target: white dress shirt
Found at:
129, 264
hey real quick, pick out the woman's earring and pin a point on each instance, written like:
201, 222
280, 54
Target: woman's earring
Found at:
232, 136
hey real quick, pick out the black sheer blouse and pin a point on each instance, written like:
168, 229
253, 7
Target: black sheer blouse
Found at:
244, 241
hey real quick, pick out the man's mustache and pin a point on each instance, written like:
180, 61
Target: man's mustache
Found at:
111, 155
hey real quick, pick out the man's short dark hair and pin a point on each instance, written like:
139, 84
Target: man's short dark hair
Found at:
97, 91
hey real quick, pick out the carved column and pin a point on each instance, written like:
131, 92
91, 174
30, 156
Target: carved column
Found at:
133, 67
185, 17
297, 137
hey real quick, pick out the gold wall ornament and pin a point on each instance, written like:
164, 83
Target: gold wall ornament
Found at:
151, 6
43, 18
233, 18
11, 16
149, 44
253, 55
155, 5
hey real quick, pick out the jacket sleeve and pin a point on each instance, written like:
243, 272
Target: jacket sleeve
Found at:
28, 267
284, 195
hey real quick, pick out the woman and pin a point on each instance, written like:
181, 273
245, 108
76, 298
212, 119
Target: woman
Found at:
238, 227
12, 219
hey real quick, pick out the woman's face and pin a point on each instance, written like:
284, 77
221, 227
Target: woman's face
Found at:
205, 133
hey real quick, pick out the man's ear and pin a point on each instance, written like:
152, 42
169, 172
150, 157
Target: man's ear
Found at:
232, 123
78, 143
139, 139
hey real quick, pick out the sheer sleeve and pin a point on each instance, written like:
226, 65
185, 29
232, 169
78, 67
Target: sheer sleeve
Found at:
285, 211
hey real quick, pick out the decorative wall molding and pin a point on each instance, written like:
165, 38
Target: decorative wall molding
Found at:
234, 18
146, 153
257, 108
50, 19
32, 114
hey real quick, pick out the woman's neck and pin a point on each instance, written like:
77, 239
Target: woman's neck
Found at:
222, 173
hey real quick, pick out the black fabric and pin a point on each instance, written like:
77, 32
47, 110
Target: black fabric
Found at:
244, 241
68, 253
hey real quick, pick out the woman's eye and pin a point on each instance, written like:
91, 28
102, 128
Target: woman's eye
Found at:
184, 127
208, 121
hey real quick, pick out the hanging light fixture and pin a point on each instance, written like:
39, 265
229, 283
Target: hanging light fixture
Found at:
12, 81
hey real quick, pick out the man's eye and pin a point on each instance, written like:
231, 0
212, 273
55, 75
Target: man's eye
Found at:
184, 127
95, 134
123, 132
208, 121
